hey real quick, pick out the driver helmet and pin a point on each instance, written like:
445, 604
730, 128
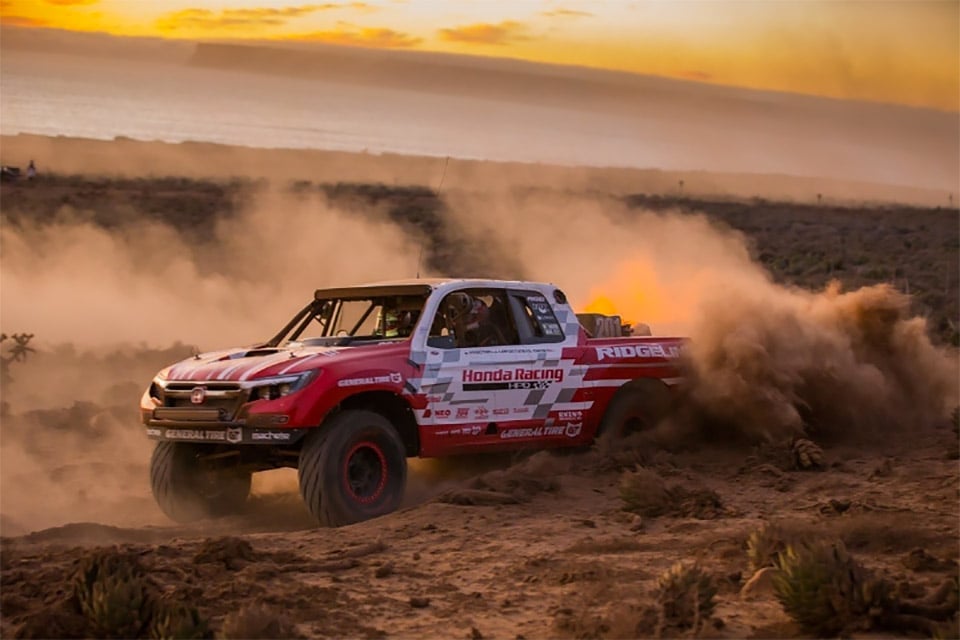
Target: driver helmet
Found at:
388, 323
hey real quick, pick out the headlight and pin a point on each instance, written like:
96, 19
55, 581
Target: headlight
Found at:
278, 387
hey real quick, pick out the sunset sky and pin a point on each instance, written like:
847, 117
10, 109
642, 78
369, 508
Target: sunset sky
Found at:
905, 52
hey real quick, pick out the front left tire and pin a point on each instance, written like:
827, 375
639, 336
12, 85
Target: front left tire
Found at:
188, 489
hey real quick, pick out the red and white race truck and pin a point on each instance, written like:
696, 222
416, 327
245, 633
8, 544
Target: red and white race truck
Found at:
364, 377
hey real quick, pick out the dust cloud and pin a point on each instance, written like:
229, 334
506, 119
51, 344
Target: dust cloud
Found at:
765, 361
144, 283
110, 307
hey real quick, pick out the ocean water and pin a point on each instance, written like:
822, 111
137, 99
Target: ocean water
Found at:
103, 98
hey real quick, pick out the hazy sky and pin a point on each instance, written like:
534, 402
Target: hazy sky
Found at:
900, 51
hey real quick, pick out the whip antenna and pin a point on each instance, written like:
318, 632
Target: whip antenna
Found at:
439, 187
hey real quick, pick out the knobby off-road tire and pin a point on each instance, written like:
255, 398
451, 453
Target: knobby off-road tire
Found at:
187, 490
353, 468
637, 406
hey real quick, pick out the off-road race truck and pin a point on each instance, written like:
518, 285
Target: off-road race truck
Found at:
364, 377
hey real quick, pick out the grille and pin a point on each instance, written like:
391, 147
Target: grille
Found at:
223, 397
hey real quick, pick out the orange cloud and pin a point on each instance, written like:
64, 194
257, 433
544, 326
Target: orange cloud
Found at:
484, 33
566, 13
71, 3
243, 18
364, 37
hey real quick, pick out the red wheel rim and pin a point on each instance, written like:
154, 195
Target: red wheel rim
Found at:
365, 472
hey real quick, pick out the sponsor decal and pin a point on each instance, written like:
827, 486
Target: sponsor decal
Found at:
521, 410
234, 435
570, 415
638, 351
273, 436
443, 413
194, 434
154, 433
392, 378
481, 412
508, 375
463, 412
198, 395
465, 430
531, 432
501, 412
504, 379
573, 429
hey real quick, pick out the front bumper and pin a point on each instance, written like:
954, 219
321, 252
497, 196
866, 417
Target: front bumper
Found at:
214, 412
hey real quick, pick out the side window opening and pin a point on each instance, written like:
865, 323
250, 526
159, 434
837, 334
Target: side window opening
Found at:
473, 318
539, 324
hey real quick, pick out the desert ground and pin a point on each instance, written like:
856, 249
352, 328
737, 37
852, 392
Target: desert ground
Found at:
838, 330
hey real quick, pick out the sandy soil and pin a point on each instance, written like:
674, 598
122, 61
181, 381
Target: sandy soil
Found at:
487, 548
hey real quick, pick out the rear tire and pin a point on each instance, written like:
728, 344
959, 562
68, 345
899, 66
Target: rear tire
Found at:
637, 406
187, 490
352, 469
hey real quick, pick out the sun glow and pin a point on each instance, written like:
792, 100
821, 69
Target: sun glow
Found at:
900, 52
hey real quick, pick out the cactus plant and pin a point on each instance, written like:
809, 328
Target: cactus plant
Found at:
685, 594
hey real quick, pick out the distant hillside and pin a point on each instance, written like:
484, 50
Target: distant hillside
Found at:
418, 71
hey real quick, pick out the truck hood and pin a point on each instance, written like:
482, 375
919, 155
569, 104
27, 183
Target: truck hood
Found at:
239, 365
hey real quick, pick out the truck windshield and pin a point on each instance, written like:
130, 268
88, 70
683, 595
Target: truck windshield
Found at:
339, 321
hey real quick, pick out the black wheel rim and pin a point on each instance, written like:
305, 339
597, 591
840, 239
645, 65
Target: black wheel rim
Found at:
365, 472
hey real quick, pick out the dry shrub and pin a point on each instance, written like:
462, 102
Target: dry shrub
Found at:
537, 474
827, 592
807, 454
764, 545
613, 452
881, 532
112, 592
232, 552
256, 623
112, 596
645, 493
179, 622
591, 546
